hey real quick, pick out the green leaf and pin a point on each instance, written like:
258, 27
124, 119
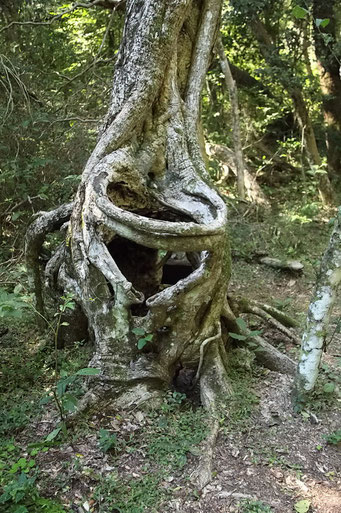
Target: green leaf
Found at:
141, 343
71, 305
299, 12
322, 22
70, 402
302, 506
255, 333
329, 388
138, 331
241, 323
20, 509
16, 215
88, 371
65, 324
237, 336
149, 337
61, 386
53, 434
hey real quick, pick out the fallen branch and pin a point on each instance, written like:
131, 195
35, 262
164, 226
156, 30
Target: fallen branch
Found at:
241, 304
287, 265
266, 354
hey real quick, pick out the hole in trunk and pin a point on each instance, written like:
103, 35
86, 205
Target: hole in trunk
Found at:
176, 268
137, 263
149, 270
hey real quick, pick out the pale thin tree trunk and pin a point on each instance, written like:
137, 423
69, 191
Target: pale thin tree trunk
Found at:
233, 94
227, 157
319, 312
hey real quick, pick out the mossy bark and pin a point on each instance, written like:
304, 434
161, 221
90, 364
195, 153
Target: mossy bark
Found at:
145, 196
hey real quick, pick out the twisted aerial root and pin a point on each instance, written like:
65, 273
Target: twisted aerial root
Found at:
45, 223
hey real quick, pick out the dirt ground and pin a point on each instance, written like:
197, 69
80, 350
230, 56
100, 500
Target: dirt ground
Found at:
277, 460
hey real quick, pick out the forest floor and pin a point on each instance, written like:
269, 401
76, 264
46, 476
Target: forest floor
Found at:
267, 457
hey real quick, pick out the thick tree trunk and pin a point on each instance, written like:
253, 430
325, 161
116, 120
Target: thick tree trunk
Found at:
144, 197
144, 201
320, 308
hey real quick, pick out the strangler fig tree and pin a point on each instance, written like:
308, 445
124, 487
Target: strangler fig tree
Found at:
143, 201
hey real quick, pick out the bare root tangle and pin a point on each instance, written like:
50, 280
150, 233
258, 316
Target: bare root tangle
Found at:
272, 315
144, 198
265, 353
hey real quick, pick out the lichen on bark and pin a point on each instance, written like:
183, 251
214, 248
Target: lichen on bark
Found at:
144, 194
320, 308
145, 200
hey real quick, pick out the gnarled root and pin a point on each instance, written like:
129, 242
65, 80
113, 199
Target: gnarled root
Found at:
266, 354
215, 389
272, 315
45, 223
202, 475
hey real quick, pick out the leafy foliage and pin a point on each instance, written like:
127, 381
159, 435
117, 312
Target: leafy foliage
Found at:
252, 506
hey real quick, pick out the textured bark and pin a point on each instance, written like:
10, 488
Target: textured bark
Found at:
144, 198
319, 313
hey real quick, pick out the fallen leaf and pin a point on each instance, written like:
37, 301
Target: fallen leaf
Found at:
302, 506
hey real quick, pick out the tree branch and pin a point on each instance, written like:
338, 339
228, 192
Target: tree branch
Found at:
107, 4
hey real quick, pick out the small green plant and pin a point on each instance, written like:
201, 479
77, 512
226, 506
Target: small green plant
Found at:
252, 506
18, 483
334, 438
17, 416
144, 337
106, 440
136, 495
12, 304
175, 434
243, 328
65, 400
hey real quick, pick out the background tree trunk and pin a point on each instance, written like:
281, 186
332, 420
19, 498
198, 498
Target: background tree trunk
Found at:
320, 309
233, 94
328, 54
271, 56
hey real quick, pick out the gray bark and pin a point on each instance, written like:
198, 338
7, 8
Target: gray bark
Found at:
319, 312
144, 191
144, 195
